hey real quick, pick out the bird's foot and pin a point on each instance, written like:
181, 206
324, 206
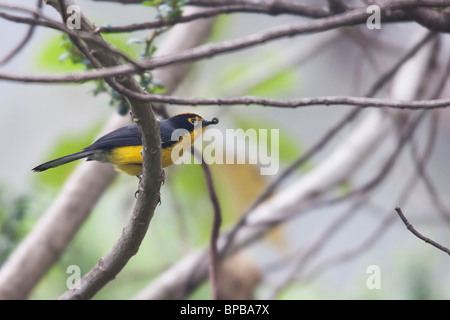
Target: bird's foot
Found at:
163, 177
136, 194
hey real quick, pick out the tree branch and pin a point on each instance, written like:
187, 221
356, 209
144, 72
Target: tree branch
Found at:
362, 102
271, 7
109, 65
418, 234
435, 20
342, 162
303, 256
217, 221
25, 39
347, 18
128, 244
58, 225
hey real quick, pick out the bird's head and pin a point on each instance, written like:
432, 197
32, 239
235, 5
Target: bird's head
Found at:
190, 121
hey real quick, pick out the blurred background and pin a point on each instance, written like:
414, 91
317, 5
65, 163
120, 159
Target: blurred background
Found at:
39, 122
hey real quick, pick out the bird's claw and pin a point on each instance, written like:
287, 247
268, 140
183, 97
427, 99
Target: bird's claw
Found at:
139, 176
163, 177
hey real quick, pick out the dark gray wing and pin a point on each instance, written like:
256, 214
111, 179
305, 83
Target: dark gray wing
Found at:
125, 136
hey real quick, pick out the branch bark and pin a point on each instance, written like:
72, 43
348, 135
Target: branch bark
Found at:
342, 162
25, 39
435, 20
418, 234
351, 17
58, 225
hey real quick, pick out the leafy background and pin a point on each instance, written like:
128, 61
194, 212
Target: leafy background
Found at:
40, 122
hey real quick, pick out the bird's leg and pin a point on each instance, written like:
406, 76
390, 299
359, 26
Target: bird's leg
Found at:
163, 177
136, 194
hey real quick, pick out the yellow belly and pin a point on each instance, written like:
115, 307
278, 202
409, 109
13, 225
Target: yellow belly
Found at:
166, 157
129, 159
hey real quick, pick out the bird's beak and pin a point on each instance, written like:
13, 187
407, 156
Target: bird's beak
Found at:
212, 121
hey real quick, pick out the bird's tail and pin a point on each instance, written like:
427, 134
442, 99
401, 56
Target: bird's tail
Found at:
63, 160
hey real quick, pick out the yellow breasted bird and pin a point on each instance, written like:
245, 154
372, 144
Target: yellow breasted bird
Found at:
122, 147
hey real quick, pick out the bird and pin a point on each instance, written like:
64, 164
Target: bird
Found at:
122, 147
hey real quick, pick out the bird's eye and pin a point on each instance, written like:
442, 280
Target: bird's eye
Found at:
193, 121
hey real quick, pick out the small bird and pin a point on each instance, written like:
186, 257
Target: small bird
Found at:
122, 147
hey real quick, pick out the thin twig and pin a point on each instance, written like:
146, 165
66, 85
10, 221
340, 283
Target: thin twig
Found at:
270, 189
418, 234
387, 166
128, 244
370, 185
217, 221
25, 39
431, 189
337, 6
351, 17
43, 246
207, 13
364, 246
273, 7
303, 257
41, 20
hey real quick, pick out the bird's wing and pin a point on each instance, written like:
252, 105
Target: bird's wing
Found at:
125, 136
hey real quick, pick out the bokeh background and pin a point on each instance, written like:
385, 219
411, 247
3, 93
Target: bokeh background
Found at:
39, 122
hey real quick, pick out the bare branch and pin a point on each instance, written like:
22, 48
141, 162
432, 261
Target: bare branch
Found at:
303, 256
217, 221
268, 7
418, 234
25, 39
341, 163
436, 20
361, 102
119, 70
337, 6
334, 130
39, 19
128, 244
275, 8
58, 225
350, 17
33, 21
382, 227
432, 190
